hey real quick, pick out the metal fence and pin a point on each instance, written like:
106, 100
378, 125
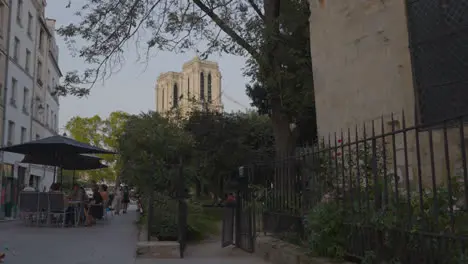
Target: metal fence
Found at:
397, 192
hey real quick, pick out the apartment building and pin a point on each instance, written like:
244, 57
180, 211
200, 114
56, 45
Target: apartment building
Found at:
29, 80
44, 104
18, 90
4, 18
4, 31
198, 85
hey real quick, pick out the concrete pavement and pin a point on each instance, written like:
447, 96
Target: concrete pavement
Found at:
209, 252
111, 242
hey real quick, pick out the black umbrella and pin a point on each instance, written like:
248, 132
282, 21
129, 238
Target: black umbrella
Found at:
71, 162
55, 146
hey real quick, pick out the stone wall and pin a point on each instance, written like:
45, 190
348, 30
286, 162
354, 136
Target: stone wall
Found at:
363, 75
361, 62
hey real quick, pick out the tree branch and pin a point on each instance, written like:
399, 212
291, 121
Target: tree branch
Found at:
228, 30
257, 9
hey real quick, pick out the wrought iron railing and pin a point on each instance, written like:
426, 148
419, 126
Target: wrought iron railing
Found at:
401, 190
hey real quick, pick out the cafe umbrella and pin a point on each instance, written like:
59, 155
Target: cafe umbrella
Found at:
71, 162
55, 148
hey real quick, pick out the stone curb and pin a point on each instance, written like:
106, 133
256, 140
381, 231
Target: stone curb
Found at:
155, 249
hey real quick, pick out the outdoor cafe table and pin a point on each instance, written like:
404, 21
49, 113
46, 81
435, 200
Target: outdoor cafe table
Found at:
77, 207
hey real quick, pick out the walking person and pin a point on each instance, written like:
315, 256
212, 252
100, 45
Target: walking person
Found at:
125, 199
117, 201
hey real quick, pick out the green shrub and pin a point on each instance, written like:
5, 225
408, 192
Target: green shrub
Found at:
325, 230
165, 220
164, 224
200, 223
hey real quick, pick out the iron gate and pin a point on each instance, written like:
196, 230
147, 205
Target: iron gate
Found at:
239, 218
227, 238
245, 219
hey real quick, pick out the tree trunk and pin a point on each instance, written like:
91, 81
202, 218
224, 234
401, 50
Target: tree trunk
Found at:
117, 181
284, 138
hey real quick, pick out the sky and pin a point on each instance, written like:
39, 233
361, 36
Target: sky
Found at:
132, 88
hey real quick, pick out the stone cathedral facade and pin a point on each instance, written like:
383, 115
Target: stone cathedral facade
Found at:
197, 86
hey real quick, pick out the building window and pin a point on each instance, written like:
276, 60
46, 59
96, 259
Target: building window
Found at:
162, 100
209, 88
202, 87
14, 88
175, 95
47, 115
23, 135
11, 133
30, 21
39, 72
19, 12
26, 100
28, 61
2, 12
41, 40
16, 48
38, 137
188, 88
437, 37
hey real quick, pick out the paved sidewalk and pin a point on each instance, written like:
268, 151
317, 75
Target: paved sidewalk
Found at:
110, 242
209, 253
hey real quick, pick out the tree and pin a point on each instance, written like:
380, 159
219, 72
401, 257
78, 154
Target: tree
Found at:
223, 26
297, 80
223, 142
102, 133
150, 151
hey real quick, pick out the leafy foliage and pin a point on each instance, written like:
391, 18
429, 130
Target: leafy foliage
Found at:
164, 225
223, 142
358, 199
150, 152
102, 133
296, 90
325, 226
106, 26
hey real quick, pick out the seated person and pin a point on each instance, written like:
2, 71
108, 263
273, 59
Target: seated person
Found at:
54, 187
95, 209
78, 194
103, 192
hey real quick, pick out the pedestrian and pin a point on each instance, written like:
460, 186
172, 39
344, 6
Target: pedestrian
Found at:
125, 199
117, 201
